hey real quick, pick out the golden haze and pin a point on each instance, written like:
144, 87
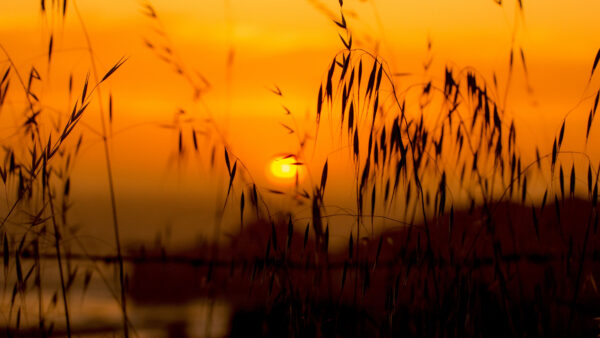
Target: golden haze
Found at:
287, 45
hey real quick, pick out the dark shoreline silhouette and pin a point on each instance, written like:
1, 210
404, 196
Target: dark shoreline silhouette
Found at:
497, 271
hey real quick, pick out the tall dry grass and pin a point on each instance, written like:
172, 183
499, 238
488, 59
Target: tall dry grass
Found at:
477, 254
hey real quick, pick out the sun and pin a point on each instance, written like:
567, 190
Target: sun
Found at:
284, 168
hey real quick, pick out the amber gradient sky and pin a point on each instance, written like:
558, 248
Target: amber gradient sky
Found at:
285, 43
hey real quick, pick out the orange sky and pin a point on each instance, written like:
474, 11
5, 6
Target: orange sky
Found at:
288, 44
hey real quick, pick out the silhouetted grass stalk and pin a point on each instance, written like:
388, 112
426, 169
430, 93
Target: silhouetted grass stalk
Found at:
57, 238
113, 202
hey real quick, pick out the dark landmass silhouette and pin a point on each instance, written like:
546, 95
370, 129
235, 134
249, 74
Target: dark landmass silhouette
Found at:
500, 270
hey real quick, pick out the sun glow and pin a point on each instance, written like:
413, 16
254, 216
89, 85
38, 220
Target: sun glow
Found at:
284, 168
